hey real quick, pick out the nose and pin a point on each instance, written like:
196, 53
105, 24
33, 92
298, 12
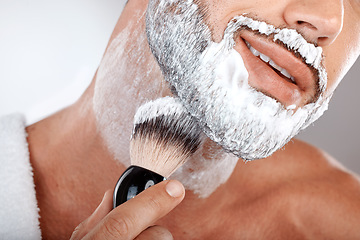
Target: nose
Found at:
319, 20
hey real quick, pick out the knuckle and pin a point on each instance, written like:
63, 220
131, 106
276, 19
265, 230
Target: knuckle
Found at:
75, 233
117, 227
81, 228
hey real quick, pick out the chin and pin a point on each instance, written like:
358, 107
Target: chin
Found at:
215, 81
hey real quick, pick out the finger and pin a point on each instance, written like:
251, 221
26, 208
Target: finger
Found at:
155, 233
100, 212
134, 216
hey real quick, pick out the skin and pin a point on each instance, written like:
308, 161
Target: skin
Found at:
119, 223
300, 192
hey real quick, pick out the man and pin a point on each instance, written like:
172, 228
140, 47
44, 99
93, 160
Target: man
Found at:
297, 192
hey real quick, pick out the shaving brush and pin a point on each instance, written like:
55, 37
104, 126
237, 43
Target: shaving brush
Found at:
164, 137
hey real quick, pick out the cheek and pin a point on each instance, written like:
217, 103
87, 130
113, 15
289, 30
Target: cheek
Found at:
215, 19
342, 54
219, 13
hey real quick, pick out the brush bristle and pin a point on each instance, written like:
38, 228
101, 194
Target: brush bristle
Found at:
164, 136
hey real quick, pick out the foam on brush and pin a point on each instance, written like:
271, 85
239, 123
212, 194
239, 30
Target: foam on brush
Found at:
164, 136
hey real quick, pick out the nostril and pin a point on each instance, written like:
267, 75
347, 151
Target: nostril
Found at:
322, 40
319, 21
305, 24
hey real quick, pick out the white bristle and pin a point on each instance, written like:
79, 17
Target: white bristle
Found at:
161, 106
164, 136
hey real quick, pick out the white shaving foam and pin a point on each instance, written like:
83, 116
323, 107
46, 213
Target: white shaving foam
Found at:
163, 106
126, 78
211, 81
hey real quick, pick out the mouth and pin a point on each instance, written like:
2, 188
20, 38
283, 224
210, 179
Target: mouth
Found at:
275, 71
279, 70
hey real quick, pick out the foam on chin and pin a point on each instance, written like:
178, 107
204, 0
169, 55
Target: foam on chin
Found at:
242, 120
211, 80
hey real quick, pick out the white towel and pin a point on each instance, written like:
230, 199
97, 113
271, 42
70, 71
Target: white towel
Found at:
19, 213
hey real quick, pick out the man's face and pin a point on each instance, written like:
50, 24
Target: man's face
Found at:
252, 72
333, 25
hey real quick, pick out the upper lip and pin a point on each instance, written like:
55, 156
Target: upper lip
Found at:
304, 87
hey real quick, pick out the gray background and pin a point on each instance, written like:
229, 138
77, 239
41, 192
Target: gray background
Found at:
337, 131
49, 51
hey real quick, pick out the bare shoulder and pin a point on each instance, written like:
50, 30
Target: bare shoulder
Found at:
326, 196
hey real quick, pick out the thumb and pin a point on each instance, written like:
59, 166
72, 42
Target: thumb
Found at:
136, 215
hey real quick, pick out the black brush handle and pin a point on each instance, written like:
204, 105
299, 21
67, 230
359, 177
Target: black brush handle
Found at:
133, 181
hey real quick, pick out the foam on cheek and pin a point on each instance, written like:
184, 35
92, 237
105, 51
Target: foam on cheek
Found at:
127, 76
106, 108
231, 70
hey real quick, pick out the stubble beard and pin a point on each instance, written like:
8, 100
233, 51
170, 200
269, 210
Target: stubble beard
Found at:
244, 121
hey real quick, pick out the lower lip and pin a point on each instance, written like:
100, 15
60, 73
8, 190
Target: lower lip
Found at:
264, 79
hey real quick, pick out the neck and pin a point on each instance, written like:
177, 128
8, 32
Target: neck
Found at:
80, 152
72, 168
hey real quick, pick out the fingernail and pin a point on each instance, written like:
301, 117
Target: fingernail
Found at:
175, 189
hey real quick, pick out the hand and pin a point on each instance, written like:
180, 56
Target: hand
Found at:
135, 218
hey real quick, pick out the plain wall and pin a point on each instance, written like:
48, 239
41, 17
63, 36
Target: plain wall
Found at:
49, 52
